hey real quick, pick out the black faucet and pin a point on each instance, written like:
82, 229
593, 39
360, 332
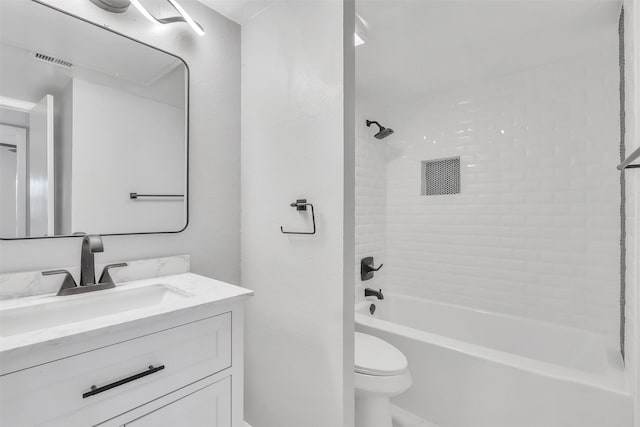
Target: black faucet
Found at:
368, 292
90, 245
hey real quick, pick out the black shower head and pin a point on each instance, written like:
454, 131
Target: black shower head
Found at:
383, 132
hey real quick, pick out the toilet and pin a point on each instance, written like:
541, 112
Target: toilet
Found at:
381, 372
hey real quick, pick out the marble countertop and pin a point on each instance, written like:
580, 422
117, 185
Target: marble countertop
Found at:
197, 291
30, 283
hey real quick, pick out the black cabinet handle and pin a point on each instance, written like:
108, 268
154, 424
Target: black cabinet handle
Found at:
97, 390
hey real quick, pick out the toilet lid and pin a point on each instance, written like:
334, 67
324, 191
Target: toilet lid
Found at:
374, 356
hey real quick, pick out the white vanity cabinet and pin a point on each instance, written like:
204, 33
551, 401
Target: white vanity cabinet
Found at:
208, 405
181, 369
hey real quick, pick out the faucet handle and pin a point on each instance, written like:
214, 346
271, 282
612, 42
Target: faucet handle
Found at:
105, 277
67, 283
367, 269
371, 268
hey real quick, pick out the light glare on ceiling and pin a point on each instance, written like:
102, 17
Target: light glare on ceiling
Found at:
184, 16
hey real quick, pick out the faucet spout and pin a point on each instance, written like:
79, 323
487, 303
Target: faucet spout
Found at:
368, 292
90, 244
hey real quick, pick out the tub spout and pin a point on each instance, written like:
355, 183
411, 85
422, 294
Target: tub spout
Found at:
368, 292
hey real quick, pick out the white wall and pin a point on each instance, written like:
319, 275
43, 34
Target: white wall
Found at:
14, 117
62, 153
115, 152
297, 359
535, 231
212, 237
40, 169
8, 187
632, 137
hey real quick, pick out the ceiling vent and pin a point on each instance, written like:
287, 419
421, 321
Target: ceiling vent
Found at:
52, 60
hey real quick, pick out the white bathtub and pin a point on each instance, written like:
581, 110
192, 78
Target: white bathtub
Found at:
474, 369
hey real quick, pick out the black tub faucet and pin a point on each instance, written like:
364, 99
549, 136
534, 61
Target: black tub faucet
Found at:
367, 269
368, 292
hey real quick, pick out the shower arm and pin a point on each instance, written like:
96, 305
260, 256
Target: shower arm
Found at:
370, 122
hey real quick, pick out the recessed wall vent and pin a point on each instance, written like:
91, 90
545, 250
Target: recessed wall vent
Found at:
52, 60
440, 177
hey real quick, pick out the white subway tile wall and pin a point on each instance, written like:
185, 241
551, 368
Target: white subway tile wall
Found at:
535, 230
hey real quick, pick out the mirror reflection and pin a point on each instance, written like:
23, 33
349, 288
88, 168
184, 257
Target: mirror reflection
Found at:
93, 135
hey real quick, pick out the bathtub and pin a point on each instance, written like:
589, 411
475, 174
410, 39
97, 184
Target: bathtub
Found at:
473, 368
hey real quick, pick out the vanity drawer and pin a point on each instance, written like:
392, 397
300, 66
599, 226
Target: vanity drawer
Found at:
126, 375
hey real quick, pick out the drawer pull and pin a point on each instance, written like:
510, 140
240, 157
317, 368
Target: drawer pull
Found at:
96, 390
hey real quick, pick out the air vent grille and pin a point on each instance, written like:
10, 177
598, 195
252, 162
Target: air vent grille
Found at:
52, 60
440, 177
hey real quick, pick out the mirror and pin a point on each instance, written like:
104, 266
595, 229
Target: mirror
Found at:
93, 129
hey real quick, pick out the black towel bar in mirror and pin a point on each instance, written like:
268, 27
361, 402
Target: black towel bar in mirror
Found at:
138, 196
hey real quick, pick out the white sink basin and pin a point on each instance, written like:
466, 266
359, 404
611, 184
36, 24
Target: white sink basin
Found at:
57, 311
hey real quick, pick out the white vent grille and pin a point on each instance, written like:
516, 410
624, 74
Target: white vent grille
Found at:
52, 60
441, 176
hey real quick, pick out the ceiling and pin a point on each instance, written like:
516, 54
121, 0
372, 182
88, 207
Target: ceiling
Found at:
418, 46
414, 47
240, 11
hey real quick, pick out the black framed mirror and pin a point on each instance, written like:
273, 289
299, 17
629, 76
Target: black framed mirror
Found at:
94, 134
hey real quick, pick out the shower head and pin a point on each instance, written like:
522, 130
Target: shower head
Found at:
383, 132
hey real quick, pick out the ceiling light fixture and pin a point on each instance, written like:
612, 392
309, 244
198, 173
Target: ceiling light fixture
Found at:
120, 6
115, 6
197, 28
184, 16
